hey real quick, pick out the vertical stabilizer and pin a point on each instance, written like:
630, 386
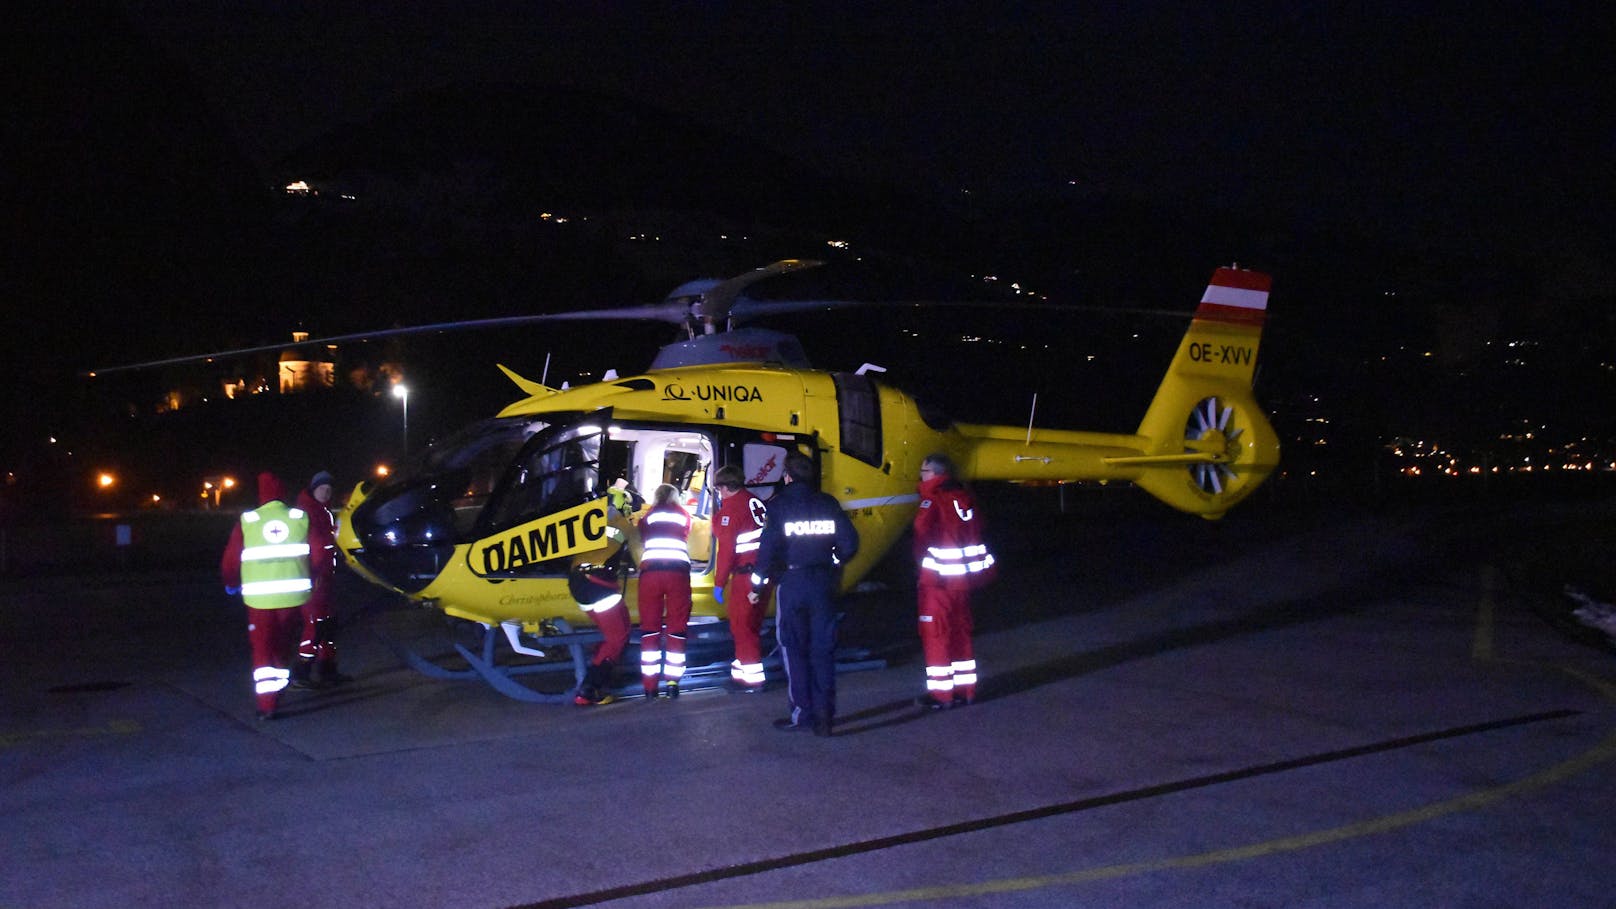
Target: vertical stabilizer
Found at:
1204, 420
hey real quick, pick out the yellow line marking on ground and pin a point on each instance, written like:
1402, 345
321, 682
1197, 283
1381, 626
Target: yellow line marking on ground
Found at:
1601, 753
116, 727
1481, 651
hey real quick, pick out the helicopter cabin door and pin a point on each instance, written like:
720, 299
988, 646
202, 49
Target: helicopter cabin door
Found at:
648, 455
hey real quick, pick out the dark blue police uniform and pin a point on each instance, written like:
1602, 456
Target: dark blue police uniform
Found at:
805, 538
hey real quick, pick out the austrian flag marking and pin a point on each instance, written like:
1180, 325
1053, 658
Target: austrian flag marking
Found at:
1236, 296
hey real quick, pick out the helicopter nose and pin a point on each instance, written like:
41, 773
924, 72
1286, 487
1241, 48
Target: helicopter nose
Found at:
405, 540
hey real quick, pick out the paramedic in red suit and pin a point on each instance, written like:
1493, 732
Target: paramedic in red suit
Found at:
317, 653
273, 541
953, 561
594, 581
664, 591
737, 529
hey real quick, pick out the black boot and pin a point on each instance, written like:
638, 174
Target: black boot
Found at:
325, 675
596, 687
325, 665
303, 672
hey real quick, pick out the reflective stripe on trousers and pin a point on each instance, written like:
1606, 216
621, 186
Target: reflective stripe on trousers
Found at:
269, 680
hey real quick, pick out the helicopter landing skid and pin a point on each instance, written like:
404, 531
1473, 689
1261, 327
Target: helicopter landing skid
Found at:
502, 677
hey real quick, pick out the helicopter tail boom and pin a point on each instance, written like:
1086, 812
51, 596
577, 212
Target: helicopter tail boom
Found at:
1203, 444
1207, 443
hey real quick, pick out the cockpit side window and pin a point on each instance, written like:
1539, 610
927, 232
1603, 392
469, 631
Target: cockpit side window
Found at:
556, 472
859, 403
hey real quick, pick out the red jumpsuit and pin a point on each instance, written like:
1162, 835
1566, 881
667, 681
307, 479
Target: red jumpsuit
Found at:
953, 561
316, 648
270, 632
594, 583
664, 595
737, 528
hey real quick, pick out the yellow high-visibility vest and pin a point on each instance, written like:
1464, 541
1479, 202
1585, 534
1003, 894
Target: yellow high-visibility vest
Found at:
275, 557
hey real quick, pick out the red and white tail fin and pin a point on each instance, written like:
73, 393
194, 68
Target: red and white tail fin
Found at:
1236, 296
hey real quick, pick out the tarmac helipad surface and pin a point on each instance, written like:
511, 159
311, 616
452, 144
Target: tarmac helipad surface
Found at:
1341, 710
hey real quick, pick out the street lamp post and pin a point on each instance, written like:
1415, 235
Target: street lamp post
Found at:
402, 393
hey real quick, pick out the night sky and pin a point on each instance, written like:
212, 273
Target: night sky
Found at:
1482, 124
1483, 129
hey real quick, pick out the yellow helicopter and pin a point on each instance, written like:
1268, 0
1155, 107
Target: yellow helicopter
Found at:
486, 524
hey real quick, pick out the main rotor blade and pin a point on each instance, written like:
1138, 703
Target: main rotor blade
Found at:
712, 307
656, 311
720, 303
747, 309
715, 305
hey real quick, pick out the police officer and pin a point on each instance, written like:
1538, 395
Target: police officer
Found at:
806, 538
737, 531
953, 560
267, 562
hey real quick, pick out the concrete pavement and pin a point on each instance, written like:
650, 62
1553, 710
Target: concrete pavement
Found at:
1313, 710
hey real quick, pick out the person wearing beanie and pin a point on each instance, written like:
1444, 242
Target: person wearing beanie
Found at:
316, 665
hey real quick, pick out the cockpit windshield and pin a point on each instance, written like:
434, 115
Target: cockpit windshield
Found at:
476, 454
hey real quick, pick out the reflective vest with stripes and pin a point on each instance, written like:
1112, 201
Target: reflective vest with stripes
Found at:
275, 557
948, 538
665, 531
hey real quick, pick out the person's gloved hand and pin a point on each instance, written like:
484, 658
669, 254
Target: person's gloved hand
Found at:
718, 594
232, 590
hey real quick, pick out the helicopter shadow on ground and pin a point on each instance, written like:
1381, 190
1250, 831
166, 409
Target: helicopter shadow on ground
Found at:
997, 686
